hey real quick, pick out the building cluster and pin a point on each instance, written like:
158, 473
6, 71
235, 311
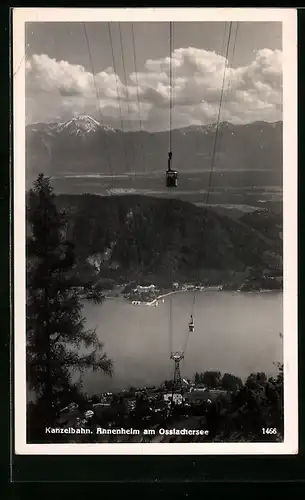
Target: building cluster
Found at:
141, 294
143, 407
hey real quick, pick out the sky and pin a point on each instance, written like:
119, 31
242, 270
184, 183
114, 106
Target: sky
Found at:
72, 69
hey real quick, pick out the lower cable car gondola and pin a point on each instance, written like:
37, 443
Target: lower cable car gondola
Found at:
171, 175
191, 325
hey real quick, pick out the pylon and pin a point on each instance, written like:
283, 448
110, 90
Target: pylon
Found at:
177, 357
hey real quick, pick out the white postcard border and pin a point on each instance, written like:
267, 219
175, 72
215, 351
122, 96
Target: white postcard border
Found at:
288, 17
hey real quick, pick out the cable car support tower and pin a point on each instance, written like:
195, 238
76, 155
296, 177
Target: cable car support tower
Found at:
177, 357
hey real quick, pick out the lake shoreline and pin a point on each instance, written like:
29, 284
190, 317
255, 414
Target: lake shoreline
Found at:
190, 290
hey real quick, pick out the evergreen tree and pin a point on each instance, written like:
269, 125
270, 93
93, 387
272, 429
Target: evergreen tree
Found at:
197, 378
211, 379
58, 347
231, 382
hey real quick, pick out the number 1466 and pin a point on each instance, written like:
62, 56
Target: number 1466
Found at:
269, 430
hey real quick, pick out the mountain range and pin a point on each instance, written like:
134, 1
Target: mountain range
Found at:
84, 146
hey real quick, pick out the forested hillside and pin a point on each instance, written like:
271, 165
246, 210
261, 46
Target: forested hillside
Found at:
134, 236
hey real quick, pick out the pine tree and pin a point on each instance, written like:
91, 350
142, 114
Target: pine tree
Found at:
56, 333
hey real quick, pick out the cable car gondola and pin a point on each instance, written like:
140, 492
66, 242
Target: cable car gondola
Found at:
191, 325
171, 175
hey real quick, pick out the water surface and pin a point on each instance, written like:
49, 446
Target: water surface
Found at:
234, 332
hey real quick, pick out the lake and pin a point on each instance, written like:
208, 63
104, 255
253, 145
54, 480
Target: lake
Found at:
234, 332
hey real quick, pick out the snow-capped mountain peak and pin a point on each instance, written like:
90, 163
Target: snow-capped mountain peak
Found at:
82, 124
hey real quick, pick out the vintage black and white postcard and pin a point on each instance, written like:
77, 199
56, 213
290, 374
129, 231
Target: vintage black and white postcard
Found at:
155, 231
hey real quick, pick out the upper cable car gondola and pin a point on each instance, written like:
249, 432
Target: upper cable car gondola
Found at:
171, 175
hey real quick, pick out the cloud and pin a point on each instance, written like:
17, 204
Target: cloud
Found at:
252, 92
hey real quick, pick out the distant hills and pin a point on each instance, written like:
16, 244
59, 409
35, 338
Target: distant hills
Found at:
84, 146
145, 239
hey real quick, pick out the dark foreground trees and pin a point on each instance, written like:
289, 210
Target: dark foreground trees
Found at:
255, 412
252, 411
59, 348
210, 379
